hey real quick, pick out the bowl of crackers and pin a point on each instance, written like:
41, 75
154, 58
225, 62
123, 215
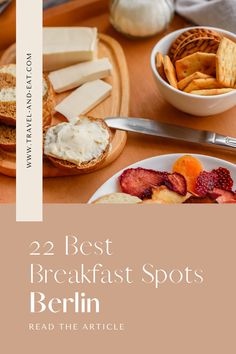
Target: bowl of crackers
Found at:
195, 70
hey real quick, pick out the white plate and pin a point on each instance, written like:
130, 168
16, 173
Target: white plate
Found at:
162, 163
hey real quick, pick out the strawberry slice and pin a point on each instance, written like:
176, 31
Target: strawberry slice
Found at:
140, 181
176, 183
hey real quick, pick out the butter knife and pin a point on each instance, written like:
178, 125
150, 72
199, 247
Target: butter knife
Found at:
4, 4
170, 131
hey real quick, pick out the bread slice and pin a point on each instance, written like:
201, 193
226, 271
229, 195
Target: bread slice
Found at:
8, 75
7, 137
8, 134
48, 101
118, 198
77, 140
8, 96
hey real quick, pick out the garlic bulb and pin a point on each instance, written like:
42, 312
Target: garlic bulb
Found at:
141, 18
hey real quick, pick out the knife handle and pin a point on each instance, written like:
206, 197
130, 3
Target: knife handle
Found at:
231, 142
225, 141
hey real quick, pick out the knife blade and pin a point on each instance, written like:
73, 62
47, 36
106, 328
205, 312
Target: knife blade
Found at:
4, 4
170, 131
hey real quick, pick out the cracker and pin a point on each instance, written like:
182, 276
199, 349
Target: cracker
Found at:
170, 71
179, 40
197, 42
205, 45
194, 33
203, 62
212, 92
226, 63
185, 82
160, 65
201, 84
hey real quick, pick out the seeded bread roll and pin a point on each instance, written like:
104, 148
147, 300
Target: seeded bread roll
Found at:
7, 137
86, 142
8, 96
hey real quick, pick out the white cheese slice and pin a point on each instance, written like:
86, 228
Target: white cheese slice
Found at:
83, 99
65, 46
76, 75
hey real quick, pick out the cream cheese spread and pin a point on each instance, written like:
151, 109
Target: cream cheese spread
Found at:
77, 143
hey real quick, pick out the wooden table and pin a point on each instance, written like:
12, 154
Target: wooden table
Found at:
145, 102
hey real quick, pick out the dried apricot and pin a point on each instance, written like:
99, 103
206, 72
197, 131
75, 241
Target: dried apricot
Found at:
189, 167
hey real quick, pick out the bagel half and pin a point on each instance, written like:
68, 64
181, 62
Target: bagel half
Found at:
79, 166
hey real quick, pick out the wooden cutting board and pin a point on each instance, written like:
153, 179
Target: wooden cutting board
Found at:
115, 105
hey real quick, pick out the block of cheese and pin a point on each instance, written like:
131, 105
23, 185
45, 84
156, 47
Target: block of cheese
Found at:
83, 99
65, 46
76, 75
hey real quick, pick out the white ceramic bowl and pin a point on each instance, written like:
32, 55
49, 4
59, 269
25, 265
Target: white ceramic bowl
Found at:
188, 103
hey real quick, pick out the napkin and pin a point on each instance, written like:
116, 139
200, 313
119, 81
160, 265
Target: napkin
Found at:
217, 13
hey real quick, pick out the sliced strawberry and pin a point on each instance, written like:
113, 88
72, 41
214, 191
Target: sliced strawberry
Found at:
205, 183
139, 181
225, 181
176, 183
